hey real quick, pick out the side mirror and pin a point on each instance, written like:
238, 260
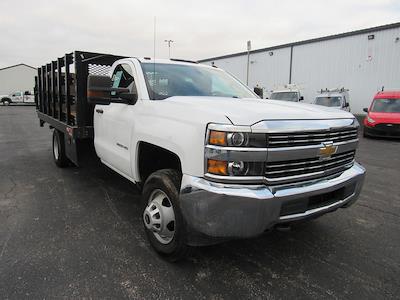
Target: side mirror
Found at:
365, 109
301, 98
100, 91
259, 92
347, 104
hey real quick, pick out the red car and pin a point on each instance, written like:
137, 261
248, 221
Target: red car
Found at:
383, 117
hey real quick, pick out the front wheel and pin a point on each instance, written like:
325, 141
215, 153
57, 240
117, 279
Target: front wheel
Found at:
162, 218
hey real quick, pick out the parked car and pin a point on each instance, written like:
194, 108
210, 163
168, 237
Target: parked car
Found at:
18, 97
335, 98
214, 161
288, 93
383, 118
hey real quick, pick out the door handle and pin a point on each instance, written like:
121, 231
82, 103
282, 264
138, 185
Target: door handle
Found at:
99, 111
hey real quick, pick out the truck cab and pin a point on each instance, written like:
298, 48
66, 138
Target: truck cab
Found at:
288, 93
213, 161
335, 98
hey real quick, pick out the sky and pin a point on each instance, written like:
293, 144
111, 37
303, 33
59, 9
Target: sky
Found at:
35, 32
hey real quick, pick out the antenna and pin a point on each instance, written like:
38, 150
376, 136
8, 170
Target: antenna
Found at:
154, 56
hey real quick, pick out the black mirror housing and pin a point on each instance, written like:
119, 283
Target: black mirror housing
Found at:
301, 98
99, 89
259, 92
365, 109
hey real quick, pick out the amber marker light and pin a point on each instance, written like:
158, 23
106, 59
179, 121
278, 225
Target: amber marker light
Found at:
217, 167
217, 138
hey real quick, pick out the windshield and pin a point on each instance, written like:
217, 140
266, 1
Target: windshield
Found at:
386, 105
287, 96
329, 101
168, 80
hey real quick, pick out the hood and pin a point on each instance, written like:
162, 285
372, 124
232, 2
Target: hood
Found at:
251, 111
380, 117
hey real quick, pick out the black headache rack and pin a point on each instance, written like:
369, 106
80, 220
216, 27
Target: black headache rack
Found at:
60, 95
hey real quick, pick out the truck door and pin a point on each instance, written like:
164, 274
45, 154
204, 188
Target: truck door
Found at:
114, 124
16, 97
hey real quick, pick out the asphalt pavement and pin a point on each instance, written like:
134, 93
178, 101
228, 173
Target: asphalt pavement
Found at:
77, 233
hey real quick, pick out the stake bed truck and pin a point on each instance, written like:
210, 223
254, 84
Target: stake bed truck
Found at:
214, 162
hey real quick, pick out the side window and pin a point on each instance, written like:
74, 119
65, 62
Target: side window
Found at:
123, 77
17, 94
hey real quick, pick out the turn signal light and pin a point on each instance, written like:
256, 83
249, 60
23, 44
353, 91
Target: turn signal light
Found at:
217, 138
217, 167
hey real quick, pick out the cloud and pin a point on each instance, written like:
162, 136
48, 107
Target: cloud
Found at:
35, 32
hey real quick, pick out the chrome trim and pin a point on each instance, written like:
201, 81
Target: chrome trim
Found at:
311, 167
235, 153
308, 176
315, 210
293, 126
228, 127
302, 152
234, 179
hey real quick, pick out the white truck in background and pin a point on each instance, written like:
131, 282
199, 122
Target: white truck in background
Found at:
290, 92
18, 97
214, 162
336, 98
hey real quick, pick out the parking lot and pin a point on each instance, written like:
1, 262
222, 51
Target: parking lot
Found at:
77, 232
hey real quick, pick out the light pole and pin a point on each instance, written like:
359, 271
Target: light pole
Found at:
169, 47
248, 61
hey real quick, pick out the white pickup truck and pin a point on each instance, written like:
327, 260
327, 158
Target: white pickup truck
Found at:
214, 161
17, 97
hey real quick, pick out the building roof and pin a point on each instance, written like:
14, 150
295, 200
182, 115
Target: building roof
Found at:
309, 41
13, 66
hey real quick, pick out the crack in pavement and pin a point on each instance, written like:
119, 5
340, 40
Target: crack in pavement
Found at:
5, 196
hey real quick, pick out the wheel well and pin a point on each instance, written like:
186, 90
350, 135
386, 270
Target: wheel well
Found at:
5, 99
152, 158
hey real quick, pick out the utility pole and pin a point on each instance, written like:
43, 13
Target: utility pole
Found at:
248, 61
169, 47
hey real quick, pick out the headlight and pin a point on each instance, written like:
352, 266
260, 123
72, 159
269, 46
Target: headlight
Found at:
234, 151
236, 139
370, 120
234, 168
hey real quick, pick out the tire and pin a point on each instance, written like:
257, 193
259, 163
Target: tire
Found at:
59, 156
365, 135
6, 101
161, 196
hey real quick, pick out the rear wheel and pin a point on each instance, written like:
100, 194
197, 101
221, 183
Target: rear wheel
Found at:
6, 101
162, 218
59, 156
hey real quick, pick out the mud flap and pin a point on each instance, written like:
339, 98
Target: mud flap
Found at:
71, 149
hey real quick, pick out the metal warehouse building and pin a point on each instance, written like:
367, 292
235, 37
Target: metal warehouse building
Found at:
19, 77
362, 61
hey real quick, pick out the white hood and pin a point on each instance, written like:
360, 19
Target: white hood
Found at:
251, 111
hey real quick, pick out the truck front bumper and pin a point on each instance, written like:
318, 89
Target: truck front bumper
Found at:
214, 211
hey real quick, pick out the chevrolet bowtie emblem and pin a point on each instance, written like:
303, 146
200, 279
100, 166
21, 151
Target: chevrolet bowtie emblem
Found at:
327, 150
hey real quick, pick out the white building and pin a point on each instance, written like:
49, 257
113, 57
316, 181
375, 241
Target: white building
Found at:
19, 77
362, 61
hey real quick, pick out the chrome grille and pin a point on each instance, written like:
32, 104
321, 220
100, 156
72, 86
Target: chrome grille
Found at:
276, 140
303, 169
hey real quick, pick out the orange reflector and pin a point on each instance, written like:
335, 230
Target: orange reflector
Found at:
217, 167
217, 138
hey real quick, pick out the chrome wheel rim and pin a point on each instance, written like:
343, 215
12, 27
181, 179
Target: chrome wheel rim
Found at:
55, 148
159, 217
